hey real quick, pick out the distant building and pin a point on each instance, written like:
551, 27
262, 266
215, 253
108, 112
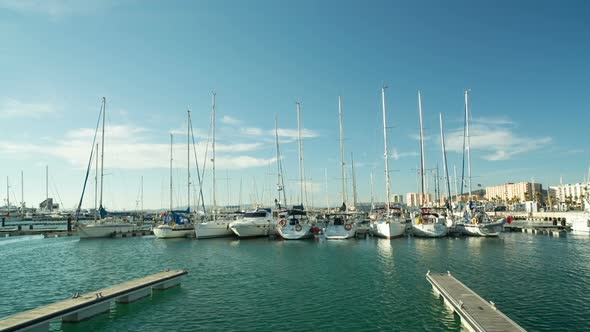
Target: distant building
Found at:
397, 199
415, 199
524, 191
572, 193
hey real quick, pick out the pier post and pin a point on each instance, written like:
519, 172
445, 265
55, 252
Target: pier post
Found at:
3, 220
69, 227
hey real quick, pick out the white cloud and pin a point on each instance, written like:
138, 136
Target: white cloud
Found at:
497, 137
230, 120
12, 108
125, 148
56, 8
395, 155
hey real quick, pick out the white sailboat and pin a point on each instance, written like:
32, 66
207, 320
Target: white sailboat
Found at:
103, 225
176, 225
296, 224
475, 221
390, 224
216, 226
340, 226
426, 223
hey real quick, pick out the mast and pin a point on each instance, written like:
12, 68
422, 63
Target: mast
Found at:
213, 158
455, 179
468, 147
386, 152
7, 196
372, 190
171, 172
342, 151
104, 105
280, 181
444, 155
46, 181
301, 175
22, 193
422, 198
142, 215
96, 186
326, 180
354, 196
188, 159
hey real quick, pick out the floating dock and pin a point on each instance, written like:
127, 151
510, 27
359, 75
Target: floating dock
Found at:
476, 313
81, 307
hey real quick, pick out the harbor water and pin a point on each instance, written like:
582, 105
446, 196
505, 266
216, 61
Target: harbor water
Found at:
541, 282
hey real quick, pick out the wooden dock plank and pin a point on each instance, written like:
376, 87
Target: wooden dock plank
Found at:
477, 313
58, 309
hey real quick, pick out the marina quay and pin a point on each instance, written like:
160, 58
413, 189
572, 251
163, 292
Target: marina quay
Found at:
294, 166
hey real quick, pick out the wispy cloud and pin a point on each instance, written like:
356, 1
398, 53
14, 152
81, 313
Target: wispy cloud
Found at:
56, 8
497, 137
125, 148
13, 108
395, 155
230, 120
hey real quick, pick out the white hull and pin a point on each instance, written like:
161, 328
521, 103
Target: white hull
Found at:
338, 232
289, 232
167, 232
104, 230
250, 229
581, 224
430, 230
485, 229
389, 230
213, 229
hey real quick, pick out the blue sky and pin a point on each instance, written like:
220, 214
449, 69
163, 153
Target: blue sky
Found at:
525, 63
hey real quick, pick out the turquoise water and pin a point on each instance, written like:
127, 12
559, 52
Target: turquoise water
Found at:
542, 283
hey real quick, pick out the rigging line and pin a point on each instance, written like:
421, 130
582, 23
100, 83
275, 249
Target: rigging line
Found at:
200, 177
89, 164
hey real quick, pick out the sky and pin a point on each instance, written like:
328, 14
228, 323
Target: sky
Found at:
525, 63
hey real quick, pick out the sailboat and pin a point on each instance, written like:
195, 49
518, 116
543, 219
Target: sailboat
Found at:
390, 224
296, 224
103, 224
341, 225
214, 227
427, 223
175, 224
475, 221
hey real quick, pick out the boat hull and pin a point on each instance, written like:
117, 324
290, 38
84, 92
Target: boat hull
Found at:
104, 230
484, 229
213, 229
338, 232
389, 230
430, 230
167, 232
581, 224
244, 230
289, 232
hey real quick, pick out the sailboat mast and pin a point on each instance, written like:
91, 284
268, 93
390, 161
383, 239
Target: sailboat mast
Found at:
142, 198
280, 182
46, 181
468, 141
22, 193
386, 153
326, 185
444, 155
422, 198
171, 137
213, 157
104, 105
96, 186
301, 180
342, 151
372, 192
188, 159
7, 196
354, 196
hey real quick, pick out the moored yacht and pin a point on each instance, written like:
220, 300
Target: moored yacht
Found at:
388, 225
174, 226
340, 226
429, 224
295, 226
253, 224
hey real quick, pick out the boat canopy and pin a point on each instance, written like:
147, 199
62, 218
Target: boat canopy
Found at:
257, 214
